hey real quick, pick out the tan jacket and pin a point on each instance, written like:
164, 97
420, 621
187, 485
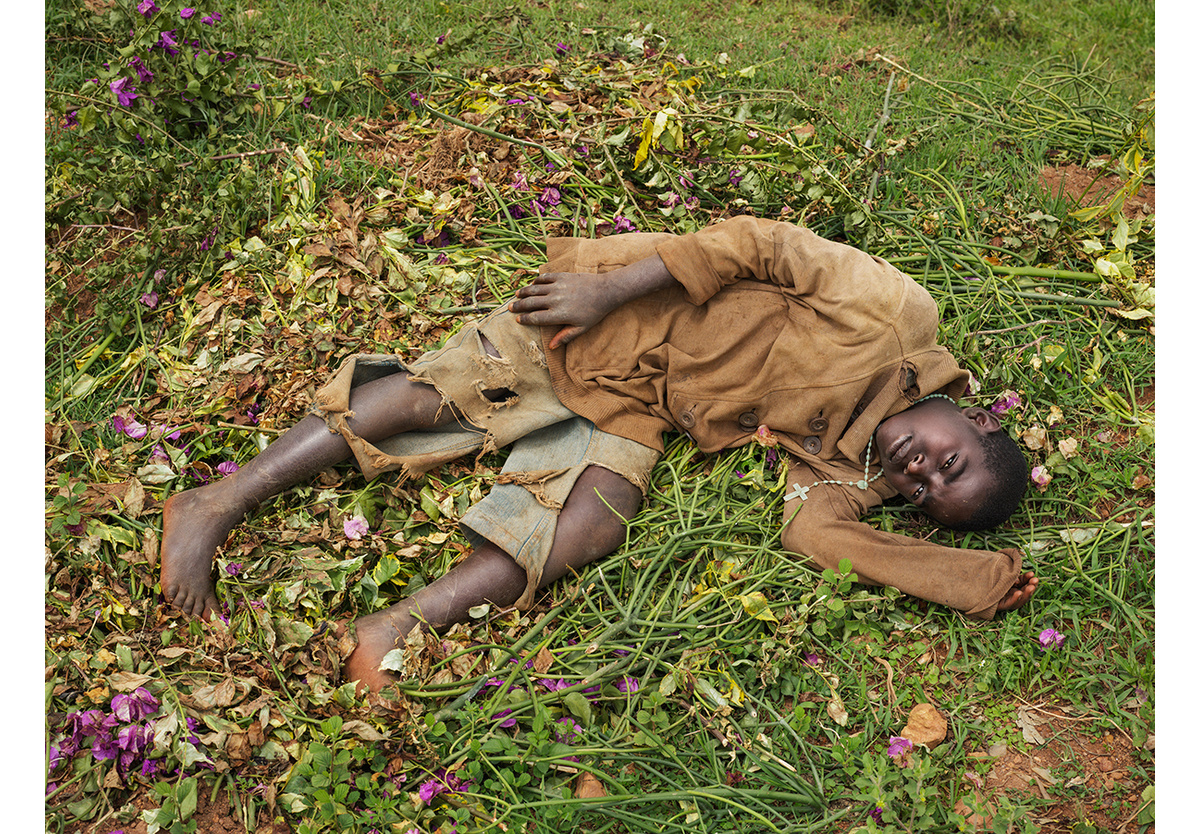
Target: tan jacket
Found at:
772, 325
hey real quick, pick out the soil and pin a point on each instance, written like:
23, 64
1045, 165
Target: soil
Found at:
1089, 187
1089, 777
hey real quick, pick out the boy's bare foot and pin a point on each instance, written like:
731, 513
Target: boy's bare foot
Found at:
1020, 593
377, 634
195, 524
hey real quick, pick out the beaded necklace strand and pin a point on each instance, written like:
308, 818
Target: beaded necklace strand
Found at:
867, 478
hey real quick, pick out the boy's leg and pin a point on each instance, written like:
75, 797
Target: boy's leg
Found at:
197, 522
587, 529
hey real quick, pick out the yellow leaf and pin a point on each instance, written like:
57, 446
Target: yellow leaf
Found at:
757, 606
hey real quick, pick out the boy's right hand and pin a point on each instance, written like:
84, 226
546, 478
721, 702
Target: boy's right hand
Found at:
577, 301
572, 300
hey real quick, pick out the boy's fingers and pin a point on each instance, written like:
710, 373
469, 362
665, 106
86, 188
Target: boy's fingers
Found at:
565, 336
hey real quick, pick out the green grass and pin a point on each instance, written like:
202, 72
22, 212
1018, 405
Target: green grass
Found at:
767, 692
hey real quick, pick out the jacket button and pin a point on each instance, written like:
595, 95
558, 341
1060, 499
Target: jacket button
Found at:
687, 420
748, 420
818, 424
812, 444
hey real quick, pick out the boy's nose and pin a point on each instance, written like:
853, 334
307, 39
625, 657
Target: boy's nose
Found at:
916, 466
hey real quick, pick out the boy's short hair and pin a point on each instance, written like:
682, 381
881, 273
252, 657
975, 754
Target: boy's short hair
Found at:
1010, 480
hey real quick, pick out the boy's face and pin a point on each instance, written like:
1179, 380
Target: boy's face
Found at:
931, 454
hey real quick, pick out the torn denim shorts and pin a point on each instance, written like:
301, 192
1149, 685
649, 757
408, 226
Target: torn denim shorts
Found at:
551, 446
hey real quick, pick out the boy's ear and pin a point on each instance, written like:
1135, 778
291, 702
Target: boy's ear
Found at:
984, 419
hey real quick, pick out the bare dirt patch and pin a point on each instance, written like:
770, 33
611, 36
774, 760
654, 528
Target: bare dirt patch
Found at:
1091, 187
1086, 776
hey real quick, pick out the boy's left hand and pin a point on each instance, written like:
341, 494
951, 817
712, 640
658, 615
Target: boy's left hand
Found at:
1020, 593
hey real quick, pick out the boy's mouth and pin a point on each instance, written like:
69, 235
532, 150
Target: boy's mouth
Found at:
898, 448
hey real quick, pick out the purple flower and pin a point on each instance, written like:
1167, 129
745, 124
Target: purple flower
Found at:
227, 467
1040, 475
877, 813
135, 738
898, 747
507, 722
149, 768
628, 685
442, 782
104, 747
252, 413
735, 177
130, 427
567, 731
561, 48
1006, 402
623, 224
186, 13
71, 119
550, 196
515, 101
355, 527
211, 20
233, 568
167, 41
139, 66
415, 98
554, 686
150, 299
134, 706
1051, 639
812, 659
146, 8
124, 90
519, 183
671, 199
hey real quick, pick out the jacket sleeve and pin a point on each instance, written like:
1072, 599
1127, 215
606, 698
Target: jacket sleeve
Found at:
825, 527
792, 257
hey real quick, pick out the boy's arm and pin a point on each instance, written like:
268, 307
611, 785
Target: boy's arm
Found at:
826, 528
576, 301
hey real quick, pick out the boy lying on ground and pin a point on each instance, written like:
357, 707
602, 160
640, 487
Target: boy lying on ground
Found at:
747, 327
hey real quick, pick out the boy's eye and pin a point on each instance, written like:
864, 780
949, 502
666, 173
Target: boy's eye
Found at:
949, 462
918, 492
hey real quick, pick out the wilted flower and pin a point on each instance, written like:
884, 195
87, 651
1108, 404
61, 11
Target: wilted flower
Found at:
227, 467
186, 13
233, 568
1006, 402
561, 48
139, 66
124, 90
735, 177
130, 427
763, 436
442, 782
1041, 476
812, 659
567, 731
1051, 639
211, 20
628, 685
877, 813
150, 299
146, 8
507, 722
623, 224
355, 527
898, 747
134, 706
